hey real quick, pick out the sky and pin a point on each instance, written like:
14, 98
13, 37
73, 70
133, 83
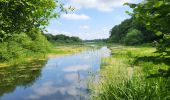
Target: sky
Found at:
91, 19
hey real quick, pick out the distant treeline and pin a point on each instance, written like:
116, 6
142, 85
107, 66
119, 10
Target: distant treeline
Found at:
62, 38
96, 40
130, 32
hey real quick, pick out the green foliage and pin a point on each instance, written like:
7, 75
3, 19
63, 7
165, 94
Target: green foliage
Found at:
63, 39
22, 23
133, 37
24, 15
122, 79
15, 50
22, 45
119, 32
155, 14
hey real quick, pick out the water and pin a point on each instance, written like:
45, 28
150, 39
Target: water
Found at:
62, 78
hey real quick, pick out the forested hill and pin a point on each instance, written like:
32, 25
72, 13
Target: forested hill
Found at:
62, 38
130, 32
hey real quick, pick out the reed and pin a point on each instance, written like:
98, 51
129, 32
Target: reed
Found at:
129, 74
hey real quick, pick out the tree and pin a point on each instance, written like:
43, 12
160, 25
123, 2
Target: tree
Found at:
23, 15
119, 32
133, 37
22, 23
155, 14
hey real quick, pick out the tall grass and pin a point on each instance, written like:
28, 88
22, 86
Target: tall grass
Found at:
122, 78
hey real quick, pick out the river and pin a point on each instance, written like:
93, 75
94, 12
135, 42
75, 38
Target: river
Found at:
60, 78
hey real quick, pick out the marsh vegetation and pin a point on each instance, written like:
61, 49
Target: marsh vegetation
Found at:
133, 73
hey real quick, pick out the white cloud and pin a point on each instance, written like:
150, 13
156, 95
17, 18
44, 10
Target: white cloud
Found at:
76, 68
106, 29
101, 34
84, 27
49, 88
56, 32
75, 16
101, 5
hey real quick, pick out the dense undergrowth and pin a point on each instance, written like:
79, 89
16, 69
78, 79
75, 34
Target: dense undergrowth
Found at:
36, 50
22, 46
133, 73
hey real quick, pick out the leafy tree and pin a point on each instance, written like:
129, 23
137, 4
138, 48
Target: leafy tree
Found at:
155, 14
23, 15
133, 37
22, 23
119, 32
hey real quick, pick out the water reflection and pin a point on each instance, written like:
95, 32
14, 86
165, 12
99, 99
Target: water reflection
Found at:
76, 68
24, 75
62, 78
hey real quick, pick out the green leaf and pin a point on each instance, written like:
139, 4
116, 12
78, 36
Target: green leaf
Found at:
148, 23
132, 5
127, 12
158, 4
137, 15
159, 33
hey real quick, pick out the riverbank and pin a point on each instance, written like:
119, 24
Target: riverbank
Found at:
133, 73
56, 51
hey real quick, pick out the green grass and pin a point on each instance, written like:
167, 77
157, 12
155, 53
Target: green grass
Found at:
55, 51
29, 57
133, 73
67, 49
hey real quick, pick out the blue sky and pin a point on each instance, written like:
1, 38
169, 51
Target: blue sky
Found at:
91, 19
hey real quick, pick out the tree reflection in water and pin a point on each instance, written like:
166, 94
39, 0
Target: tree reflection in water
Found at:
19, 75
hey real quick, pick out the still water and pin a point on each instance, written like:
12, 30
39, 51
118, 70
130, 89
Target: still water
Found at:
60, 78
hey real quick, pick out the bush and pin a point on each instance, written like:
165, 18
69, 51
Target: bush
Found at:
10, 50
40, 44
21, 45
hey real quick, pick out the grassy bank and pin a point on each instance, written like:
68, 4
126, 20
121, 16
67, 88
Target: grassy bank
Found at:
133, 73
55, 51
66, 49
